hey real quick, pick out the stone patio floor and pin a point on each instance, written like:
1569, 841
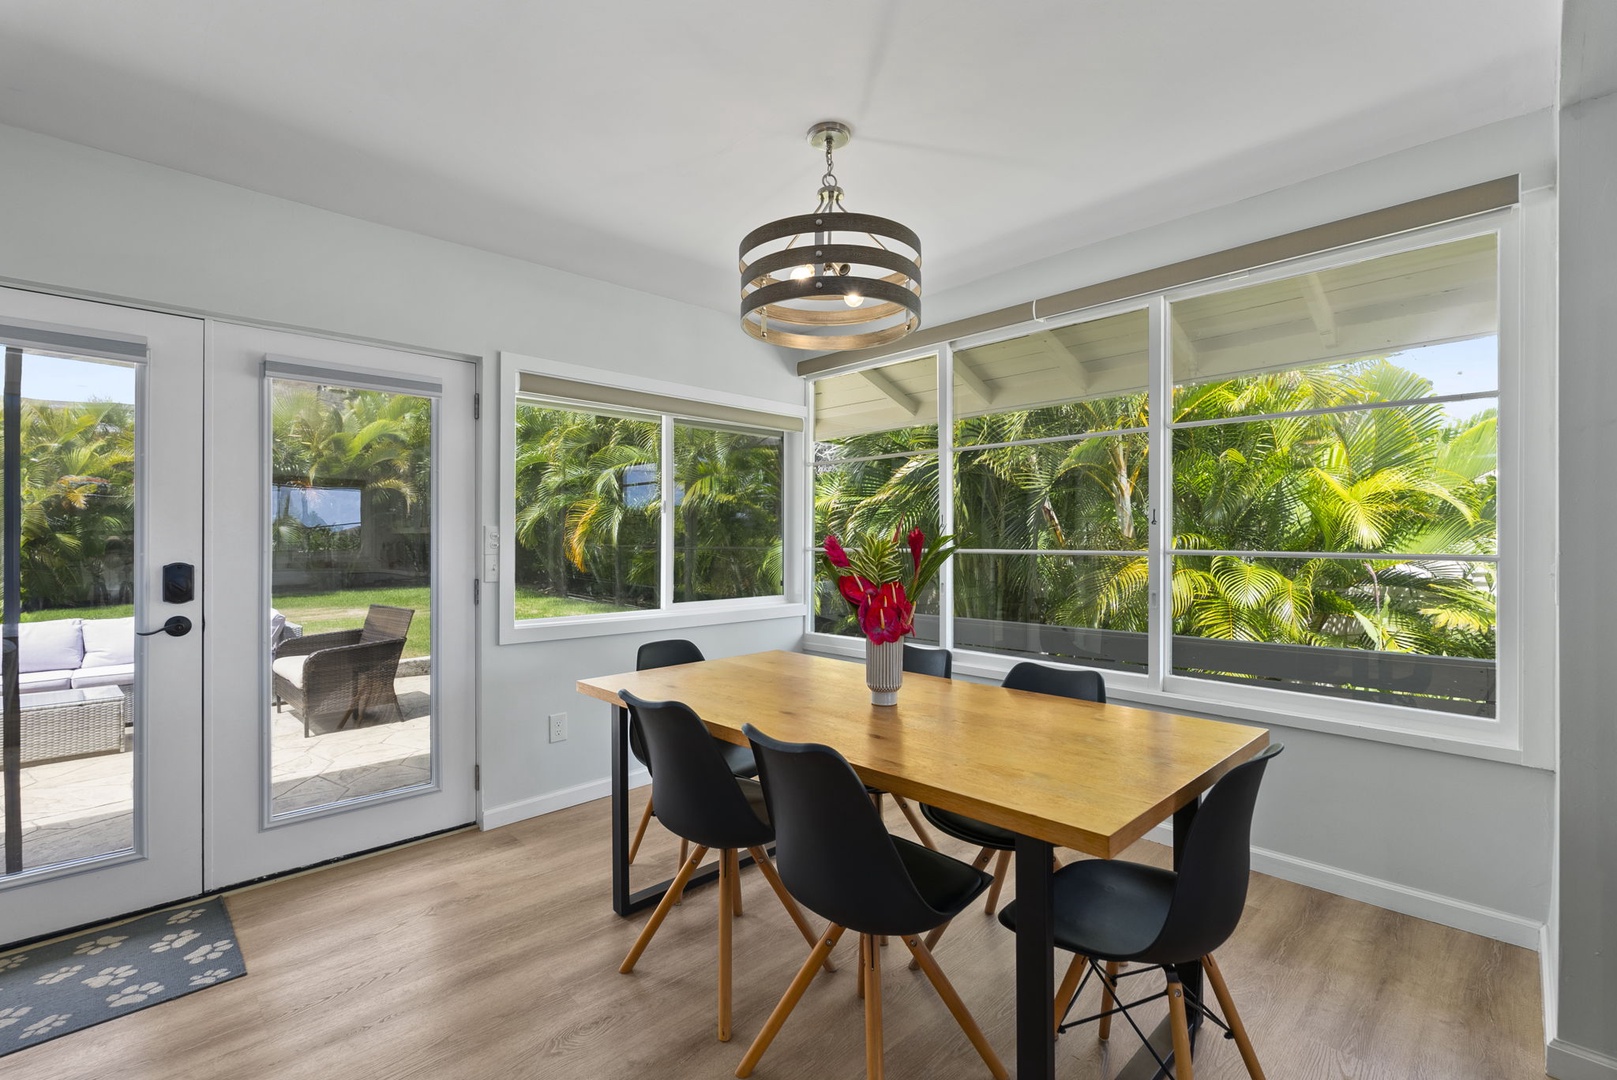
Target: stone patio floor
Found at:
81, 808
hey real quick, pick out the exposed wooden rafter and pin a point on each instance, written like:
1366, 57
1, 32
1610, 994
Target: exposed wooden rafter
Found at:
906, 401
969, 375
1319, 307
1069, 360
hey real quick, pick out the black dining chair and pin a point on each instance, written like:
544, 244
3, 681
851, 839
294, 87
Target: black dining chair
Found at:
699, 800
841, 862
1038, 679
1107, 911
918, 660
668, 653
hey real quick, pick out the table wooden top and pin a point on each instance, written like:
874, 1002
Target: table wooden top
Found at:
1082, 775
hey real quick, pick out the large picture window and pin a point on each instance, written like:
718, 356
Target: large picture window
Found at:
622, 509
1309, 503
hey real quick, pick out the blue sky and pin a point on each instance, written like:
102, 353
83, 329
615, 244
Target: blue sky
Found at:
52, 378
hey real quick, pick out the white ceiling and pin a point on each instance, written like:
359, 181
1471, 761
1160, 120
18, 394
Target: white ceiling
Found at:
637, 142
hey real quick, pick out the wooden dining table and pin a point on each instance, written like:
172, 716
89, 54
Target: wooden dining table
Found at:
1057, 772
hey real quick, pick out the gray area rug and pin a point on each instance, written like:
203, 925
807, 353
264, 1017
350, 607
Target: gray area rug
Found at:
64, 986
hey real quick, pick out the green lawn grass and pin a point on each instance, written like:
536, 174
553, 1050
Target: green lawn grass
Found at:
344, 609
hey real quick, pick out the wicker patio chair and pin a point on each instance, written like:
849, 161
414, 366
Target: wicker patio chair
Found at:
330, 679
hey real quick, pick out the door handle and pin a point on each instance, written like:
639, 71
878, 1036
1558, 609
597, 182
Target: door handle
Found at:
176, 626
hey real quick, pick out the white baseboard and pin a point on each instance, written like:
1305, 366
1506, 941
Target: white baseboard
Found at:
1433, 907
492, 817
1563, 1061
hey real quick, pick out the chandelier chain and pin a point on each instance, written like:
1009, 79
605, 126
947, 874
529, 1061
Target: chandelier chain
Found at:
829, 180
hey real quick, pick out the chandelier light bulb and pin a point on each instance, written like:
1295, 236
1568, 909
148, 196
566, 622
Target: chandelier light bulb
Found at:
804, 271
852, 299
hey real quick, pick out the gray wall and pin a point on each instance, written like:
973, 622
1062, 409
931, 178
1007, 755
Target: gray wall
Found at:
1585, 1035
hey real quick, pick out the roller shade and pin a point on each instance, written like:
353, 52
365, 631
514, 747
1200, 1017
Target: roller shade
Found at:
42, 337
570, 390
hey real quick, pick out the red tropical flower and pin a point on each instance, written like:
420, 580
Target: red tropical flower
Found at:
872, 577
886, 613
834, 553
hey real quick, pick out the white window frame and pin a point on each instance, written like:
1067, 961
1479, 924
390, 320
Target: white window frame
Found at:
1522, 731
670, 615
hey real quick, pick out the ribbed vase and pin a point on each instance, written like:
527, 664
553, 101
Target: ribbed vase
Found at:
884, 670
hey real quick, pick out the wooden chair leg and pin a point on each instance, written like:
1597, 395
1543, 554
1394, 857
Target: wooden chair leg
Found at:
735, 880
657, 917
1002, 870
872, 968
957, 1008
1182, 1067
726, 897
859, 987
1233, 1018
767, 868
640, 833
1069, 988
915, 821
794, 993
1108, 999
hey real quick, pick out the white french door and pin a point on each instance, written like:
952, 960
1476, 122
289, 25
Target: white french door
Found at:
102, 728
340, 526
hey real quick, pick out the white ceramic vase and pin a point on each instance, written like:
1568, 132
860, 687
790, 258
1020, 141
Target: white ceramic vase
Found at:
884, 670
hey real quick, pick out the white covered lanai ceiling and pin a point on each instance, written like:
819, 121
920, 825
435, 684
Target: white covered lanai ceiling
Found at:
638, 142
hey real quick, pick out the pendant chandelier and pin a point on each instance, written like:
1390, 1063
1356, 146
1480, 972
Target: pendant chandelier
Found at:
830, 280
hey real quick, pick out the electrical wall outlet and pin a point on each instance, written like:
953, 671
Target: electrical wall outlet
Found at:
558, 727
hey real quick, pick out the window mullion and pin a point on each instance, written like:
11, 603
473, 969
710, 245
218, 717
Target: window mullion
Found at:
665, 557
946, 490
1160, 472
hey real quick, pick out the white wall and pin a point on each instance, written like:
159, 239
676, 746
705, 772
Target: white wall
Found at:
1455, 839
91, 223
1584, 1024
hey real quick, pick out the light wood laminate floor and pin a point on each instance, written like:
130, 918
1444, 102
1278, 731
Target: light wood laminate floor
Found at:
494, 955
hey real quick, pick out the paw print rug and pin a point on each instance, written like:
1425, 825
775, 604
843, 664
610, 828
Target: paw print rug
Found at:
75, 982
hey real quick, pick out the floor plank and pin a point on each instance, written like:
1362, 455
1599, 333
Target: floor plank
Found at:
495, 955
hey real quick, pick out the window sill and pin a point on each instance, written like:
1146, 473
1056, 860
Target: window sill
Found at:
709, 613
1262, 709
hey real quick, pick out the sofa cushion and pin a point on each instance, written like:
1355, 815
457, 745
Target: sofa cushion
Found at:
50, 646
29, 682
108, 642
110, 675
290, 668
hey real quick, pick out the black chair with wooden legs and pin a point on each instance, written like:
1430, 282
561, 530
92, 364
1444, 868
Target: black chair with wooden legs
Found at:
840, 861
918, 660
1038, 679
1108, 912
700, 801
667, 653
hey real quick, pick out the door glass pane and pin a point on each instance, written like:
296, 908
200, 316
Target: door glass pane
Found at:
72, 650
350, 615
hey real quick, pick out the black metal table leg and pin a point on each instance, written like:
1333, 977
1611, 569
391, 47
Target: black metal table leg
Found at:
622, 903
1035, 962
625, 900
1189, 974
